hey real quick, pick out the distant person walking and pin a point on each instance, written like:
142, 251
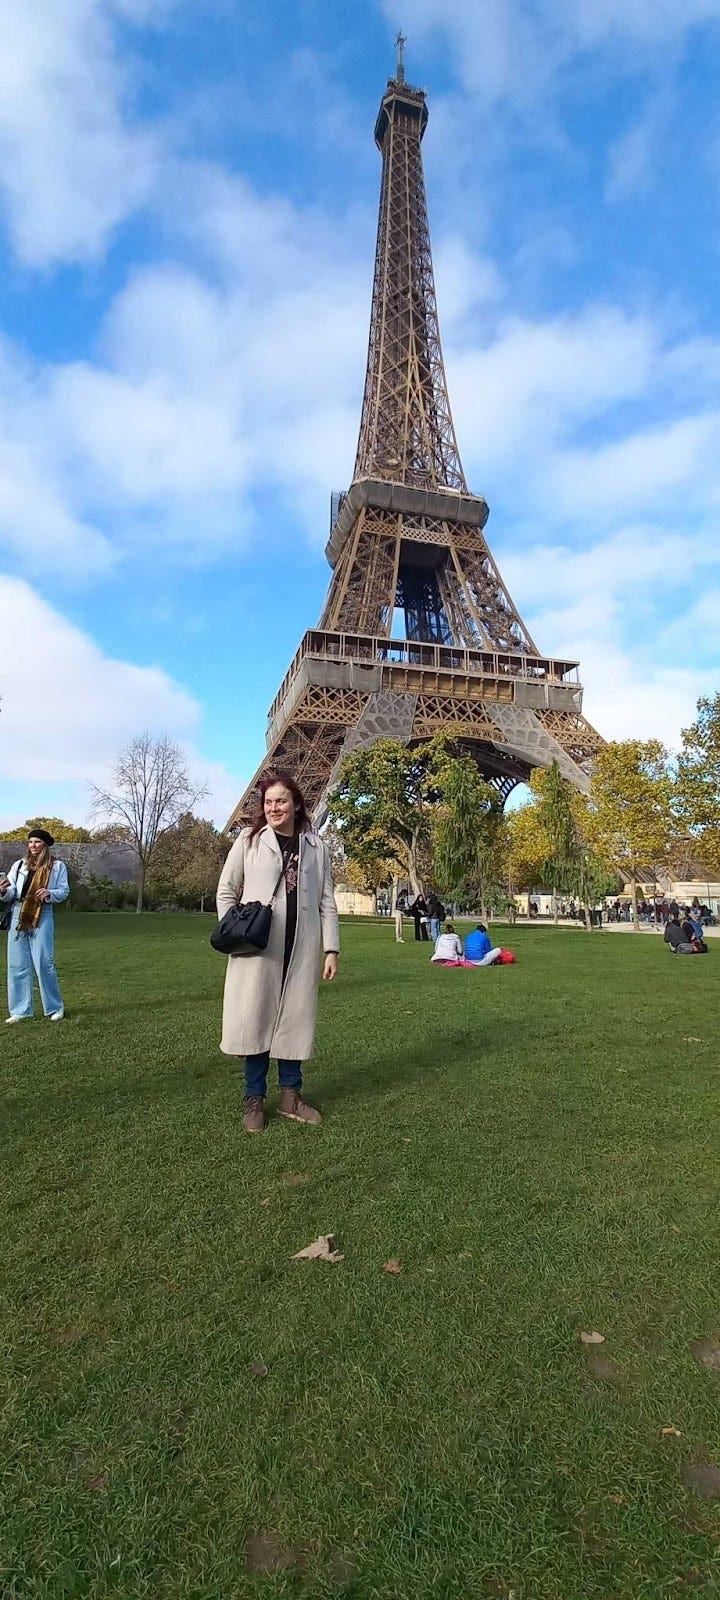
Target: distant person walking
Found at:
33, 886
270, 1002
436, 913
400, 908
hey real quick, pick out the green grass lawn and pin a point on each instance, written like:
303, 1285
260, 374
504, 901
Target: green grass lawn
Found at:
537, 1145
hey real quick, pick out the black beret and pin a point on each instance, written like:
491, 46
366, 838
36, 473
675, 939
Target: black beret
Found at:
41, 833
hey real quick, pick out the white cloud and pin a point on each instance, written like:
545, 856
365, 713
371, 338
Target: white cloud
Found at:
513, 50
625, 610
67, 708
464, 280
534, 381
72, 165
37, 529
645, 471
147, 442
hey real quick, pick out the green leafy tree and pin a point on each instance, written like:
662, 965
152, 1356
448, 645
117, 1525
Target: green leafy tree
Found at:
380, 806
466, 828
403, 805
365, 876
62, 832
557, 817
629, 818
697, 796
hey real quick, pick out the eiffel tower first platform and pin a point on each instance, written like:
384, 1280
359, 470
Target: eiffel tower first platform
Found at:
407, 543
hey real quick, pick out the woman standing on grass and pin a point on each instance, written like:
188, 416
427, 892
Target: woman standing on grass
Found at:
34, 886
270, 1001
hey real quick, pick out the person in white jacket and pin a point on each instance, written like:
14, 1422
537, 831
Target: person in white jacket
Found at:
33, 886
270, 1000
447, 945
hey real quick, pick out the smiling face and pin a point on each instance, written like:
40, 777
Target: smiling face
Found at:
35, 849
279, 808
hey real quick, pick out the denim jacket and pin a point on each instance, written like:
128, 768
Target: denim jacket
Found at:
58, 885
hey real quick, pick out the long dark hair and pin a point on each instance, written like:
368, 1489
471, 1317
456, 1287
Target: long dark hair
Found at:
302, 821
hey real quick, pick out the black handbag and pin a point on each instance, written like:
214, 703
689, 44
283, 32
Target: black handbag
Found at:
6, 919
245, 929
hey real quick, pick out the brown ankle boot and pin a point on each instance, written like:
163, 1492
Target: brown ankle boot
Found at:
292, 1106
254, 1116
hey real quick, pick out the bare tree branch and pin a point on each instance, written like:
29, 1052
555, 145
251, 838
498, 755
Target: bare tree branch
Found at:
151, 789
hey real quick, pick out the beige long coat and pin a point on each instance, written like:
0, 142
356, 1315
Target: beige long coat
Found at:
258, 1012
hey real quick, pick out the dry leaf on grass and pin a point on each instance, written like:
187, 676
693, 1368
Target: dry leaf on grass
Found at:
321, 1249
690, 1039
670, 1433
393, 1266
592, 1338
96, 1481
704, 1481
706, 1352
266, 1201
604, 1369
267, 1552
259, 1370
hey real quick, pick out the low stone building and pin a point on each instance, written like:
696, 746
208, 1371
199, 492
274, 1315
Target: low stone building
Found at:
118, 862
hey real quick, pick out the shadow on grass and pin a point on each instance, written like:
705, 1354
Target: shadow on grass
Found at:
37, 1105
395, 1067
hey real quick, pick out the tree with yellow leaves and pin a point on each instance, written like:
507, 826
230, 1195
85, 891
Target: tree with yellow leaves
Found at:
629, 817
698, 782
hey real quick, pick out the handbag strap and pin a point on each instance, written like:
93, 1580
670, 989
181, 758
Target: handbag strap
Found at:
277, 886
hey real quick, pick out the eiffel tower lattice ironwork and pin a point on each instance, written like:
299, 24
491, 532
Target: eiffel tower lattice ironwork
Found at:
407, 543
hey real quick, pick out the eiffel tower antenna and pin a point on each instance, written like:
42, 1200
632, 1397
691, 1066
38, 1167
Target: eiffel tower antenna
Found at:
400, 42
418, 633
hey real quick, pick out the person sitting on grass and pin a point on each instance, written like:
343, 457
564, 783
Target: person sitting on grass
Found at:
479, 949
448, 949
675, 937
693, 923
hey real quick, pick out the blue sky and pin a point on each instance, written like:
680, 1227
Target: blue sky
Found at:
188, 202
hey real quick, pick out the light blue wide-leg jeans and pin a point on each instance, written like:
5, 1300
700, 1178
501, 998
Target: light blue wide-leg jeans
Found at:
25, 952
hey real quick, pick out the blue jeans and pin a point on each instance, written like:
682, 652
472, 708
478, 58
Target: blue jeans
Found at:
256, 1071
434, 928
25, 952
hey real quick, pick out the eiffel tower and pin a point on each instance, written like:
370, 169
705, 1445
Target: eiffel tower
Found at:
418, 632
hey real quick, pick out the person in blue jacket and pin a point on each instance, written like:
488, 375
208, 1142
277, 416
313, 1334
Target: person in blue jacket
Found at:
34, 885
479, 949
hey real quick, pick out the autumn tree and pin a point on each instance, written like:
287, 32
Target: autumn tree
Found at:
629, 817
527, 849
189, 858
697, 796
150, 790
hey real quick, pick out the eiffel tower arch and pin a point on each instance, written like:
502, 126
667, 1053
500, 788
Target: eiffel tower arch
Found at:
418, 632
